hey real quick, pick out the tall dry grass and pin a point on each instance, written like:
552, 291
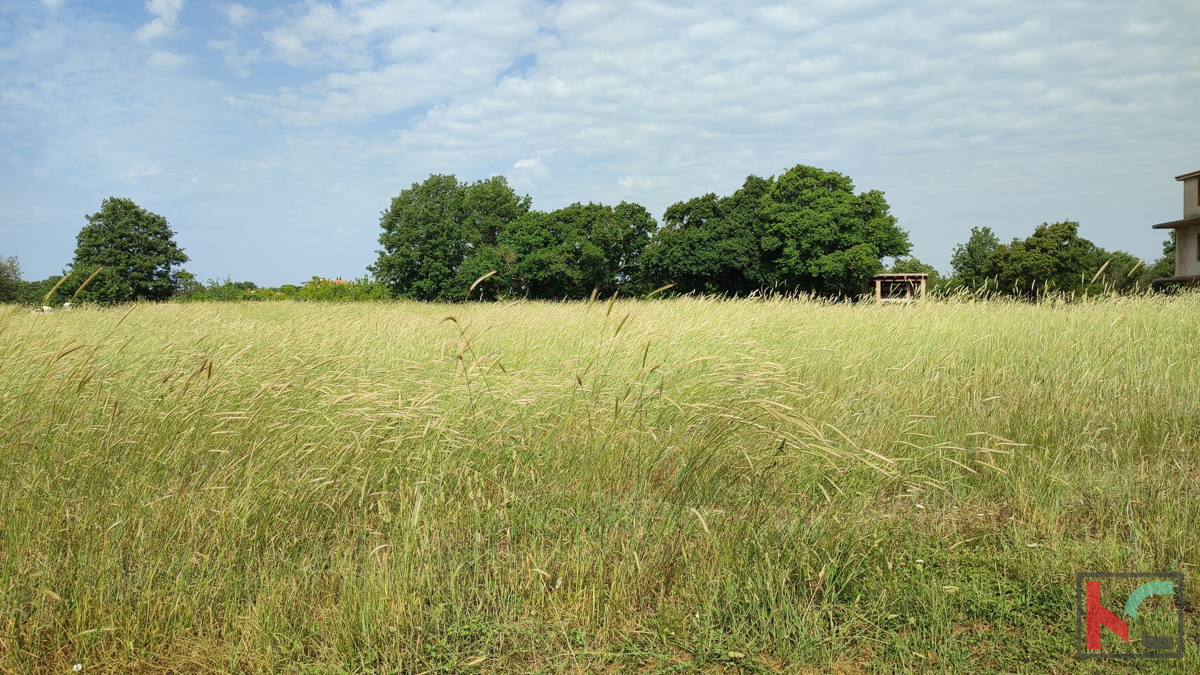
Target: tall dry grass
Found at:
643, 486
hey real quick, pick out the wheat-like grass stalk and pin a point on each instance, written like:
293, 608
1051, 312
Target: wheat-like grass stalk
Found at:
291, 486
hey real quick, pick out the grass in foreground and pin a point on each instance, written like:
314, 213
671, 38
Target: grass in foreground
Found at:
674, 486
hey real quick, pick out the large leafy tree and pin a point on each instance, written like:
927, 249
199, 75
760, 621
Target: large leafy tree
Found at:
1053, 258
823, 237
969, 260
135, 248
570, 252
806, 230
441, 235
711, 244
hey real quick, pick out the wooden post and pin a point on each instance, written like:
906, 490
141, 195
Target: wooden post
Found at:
879, 291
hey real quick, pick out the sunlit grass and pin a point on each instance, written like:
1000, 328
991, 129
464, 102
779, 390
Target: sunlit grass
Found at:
772, 485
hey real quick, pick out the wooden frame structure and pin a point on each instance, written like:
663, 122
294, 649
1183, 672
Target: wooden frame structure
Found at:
899, 287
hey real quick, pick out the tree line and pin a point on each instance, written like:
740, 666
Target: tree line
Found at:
805, 231
1054, 259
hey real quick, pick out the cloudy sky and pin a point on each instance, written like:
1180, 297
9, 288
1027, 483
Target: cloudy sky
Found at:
272, 134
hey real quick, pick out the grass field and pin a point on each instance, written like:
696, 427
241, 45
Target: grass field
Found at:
650, 487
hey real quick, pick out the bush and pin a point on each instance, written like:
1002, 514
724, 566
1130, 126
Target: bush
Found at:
339, 290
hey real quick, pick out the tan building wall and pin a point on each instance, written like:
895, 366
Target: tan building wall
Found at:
1187, 231
1191, 198
1187, 249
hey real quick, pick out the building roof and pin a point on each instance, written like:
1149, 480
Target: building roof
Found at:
1191, 280
907, 276
1194, 220
1188, 175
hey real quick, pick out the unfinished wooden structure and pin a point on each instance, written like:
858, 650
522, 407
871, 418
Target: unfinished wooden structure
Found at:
1187, 234
899, 287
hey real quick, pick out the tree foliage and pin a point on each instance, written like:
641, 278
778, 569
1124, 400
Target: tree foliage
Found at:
339, 290
1120, 272
1056, 259
440, 235
316, 289
831, 240
969, 260
34, 292
910, 265
135, 248
1164, 267
712, 244
804, 231
10, 278
570, 252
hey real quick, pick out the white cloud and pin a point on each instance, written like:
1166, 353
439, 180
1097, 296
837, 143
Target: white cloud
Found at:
238, 15
289, 48
52, 4
236, 59
532, 167
989, 112
389, 56
167, 60
166, 16
143, 172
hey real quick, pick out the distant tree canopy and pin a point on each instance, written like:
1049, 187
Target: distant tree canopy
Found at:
135, 248
804, 231
711, 244
1165, 266
1054, 259
969, 260
441, 236
10, 278
570, 252
910, 265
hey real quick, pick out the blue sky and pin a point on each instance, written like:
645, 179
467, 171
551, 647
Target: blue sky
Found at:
272, 135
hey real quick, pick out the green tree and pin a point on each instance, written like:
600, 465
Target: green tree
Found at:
824, 238
1164, 267
10, 278
439, 236
34, 292
569, 252
216, 290
1053, 258
711, 244
187, 286
806, 230
910, 265
135, 248
969, 260
1120, 272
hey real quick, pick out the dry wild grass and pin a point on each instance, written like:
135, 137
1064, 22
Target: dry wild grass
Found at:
666, 486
